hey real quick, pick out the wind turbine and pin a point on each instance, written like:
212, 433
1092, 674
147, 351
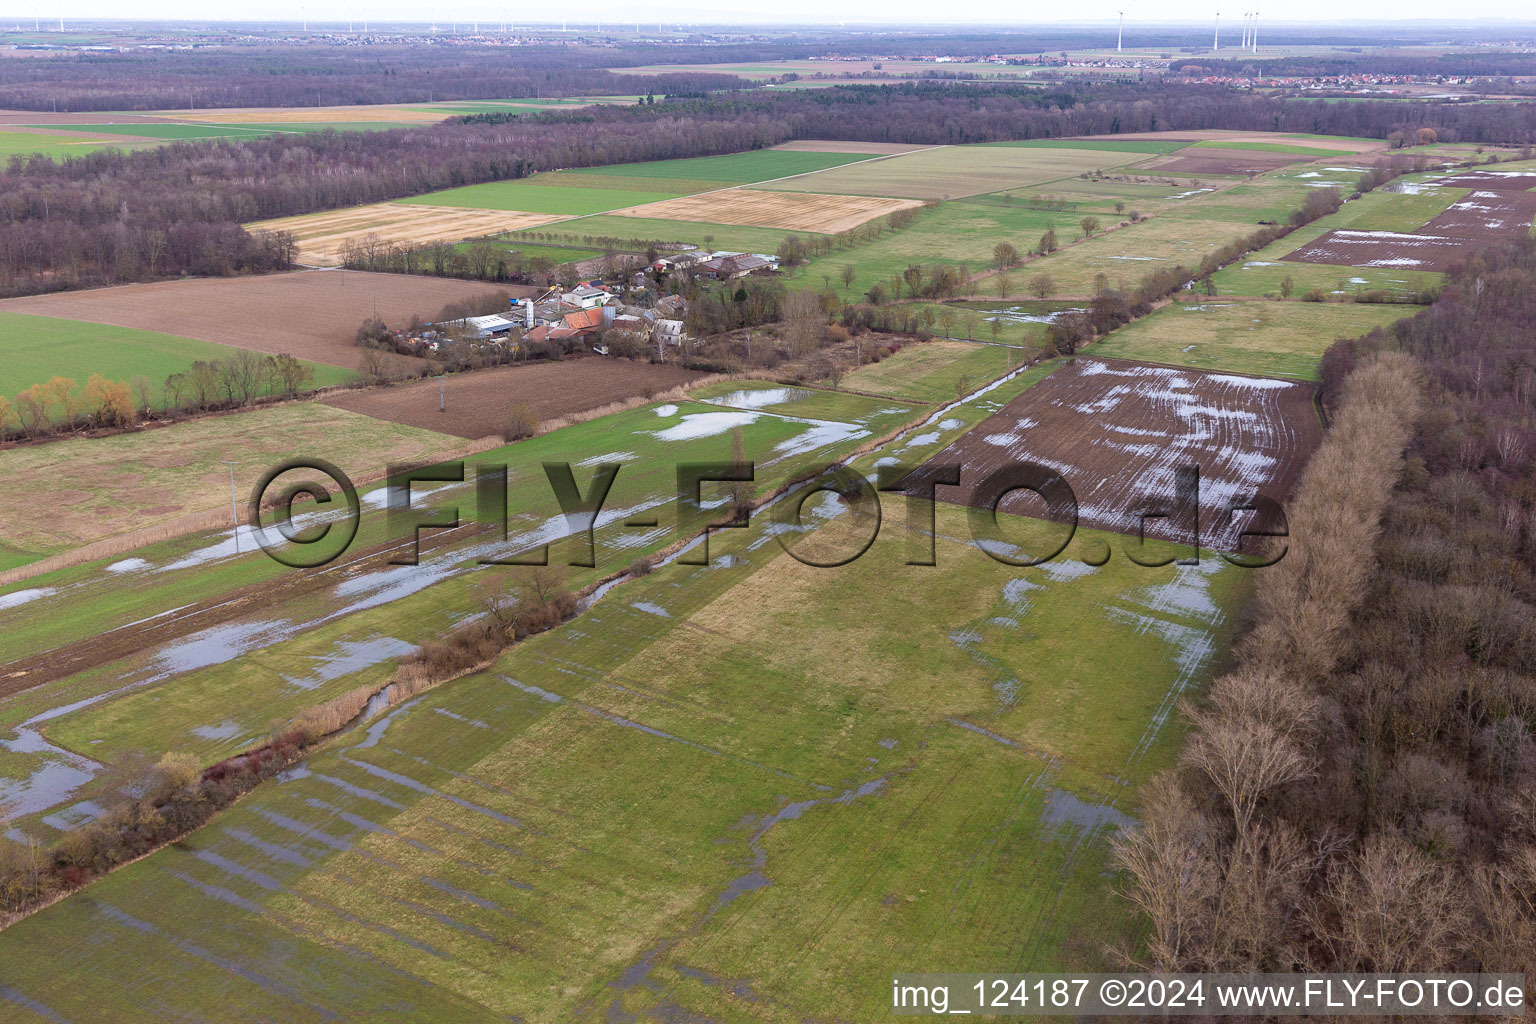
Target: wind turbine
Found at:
1120, 38
1253, 37
1216, 43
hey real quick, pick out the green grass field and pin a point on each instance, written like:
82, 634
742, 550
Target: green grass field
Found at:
1125, 255
933, 372
1276, 339
963, 231
172, 131
99, 487
717, 236
635, 183
35, 348
733, 168
1274, 147
602, 827
554, 253
952, 172
59, 147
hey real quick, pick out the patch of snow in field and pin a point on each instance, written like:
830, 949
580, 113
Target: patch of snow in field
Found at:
821, 434
128, 565
695, 425
1394, 236
1161, 259
1191, 192
598, 460
1003, 440
1399, 261
757, 398
20, 597
1259, 263
666, 410
225, 730
1257, 383
1018, 315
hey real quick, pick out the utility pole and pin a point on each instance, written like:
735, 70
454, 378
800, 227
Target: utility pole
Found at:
234, 515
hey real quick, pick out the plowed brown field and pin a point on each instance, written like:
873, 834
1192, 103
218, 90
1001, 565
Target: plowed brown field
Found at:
1499, 208
311, 314
1118, 432
478, 403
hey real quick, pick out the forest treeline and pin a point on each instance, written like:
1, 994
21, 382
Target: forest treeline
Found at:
177, 209
322, 73
1359, 792
310, 76
1458, 65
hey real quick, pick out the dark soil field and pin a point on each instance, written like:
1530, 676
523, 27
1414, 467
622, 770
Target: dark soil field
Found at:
310, 314
1118, 431
478, 403
1507, 181
1486, 214
1223, 161
1500, 208
1419, 251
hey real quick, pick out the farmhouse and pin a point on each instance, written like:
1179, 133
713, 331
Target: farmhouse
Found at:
493, 326
681, 261
729, 268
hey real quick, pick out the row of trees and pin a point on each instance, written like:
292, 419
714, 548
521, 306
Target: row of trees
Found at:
59, 405
1358, 794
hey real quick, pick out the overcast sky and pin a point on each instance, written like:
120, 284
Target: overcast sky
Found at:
854, 12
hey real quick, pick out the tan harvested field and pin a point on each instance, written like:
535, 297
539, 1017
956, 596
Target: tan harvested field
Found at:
322, 236
952, 172
1117, 432
478, 404
313, 314
94, 488
832, 146
792, 211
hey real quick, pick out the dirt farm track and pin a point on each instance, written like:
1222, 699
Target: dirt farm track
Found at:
310, 314
478, 403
